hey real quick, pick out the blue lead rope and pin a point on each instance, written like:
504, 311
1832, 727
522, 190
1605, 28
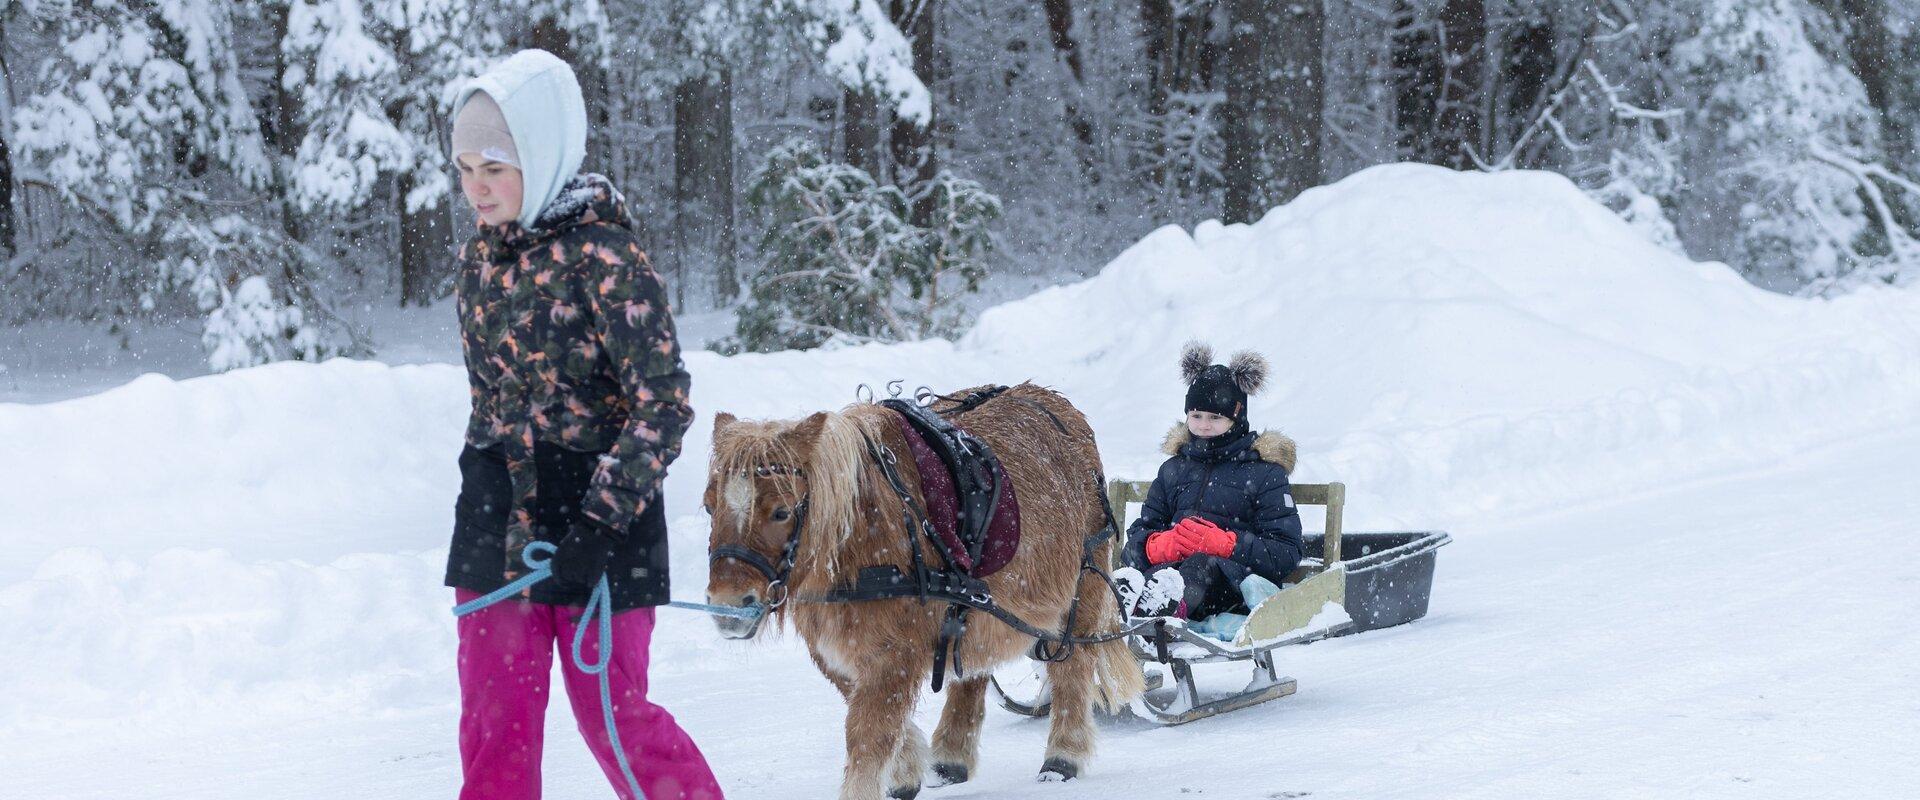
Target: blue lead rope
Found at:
538, 556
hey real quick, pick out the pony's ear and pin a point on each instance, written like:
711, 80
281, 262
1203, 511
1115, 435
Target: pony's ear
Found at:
722, 421
807, 433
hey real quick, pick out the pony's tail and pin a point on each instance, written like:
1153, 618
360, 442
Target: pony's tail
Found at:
1121, 680
1115, 669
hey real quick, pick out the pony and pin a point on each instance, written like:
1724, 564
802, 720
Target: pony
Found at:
813, 494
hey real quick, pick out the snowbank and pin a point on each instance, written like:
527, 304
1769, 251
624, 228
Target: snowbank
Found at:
1448, 344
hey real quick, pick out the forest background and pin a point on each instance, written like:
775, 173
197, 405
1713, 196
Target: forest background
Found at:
841, 171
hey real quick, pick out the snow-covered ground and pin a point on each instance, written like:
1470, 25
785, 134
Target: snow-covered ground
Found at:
1684, 512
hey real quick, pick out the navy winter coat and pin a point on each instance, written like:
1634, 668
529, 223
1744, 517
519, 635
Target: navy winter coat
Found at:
1240, 485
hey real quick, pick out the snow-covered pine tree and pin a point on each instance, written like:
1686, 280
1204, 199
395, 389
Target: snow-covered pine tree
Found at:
960, 239
146, 129
841, 261
372, 83
835, 248
859, 46
1782, 156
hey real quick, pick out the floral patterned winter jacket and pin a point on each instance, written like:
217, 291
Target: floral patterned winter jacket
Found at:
569, 341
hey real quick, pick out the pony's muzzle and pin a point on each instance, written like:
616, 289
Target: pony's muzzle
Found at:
738, 627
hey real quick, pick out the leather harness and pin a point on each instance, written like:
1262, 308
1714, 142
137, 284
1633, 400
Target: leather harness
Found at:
979, 483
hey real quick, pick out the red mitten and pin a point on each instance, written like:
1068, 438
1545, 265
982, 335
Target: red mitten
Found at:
1217, 542
1173, 545
1197, 527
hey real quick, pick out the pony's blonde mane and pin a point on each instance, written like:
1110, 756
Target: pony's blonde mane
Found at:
834, 478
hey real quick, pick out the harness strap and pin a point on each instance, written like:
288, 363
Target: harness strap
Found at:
745, 556
887, 583
952, 627
961, 405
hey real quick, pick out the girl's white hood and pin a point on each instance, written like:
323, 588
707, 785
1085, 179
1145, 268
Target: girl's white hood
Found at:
540, 98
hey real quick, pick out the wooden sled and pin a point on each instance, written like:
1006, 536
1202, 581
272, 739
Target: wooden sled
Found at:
1375, 580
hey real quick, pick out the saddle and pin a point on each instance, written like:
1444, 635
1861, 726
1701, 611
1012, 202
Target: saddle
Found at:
975, 516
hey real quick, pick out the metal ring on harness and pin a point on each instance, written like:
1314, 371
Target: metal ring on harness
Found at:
776, 595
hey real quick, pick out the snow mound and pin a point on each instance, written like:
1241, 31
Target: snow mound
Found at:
1447, 344
1456, 294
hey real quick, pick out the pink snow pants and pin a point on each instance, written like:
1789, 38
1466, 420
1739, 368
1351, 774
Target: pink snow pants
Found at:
506, 658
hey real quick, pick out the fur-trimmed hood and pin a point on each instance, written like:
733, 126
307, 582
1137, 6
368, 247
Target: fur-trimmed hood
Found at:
1274, 447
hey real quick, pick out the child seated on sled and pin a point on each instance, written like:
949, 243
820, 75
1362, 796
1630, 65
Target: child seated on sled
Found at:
1221, 508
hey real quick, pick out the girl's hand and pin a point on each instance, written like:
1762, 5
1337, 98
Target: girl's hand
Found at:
1169, 546
1209, 538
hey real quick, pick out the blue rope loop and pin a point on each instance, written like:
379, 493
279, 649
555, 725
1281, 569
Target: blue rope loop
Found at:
539, 558
599, 611
600, 607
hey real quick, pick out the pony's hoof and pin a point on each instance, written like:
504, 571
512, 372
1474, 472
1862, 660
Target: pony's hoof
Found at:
1057, 770
904, 792
948, 774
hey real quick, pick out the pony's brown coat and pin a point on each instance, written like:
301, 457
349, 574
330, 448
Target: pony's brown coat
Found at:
879, 653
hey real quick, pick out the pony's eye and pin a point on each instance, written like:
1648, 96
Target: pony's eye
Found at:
781, 514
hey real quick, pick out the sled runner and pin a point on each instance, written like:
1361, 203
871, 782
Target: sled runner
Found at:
1375, 580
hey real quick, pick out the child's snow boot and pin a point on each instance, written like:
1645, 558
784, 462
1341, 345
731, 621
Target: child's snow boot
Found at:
1128, 583
1164, 596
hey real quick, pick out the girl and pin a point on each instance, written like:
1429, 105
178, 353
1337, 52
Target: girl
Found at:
579, 404
1221, 508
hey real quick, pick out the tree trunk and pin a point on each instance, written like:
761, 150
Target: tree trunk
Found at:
1871, 49
1527, 84
1060, 31
1157, 33
8, 233
914, 161
426, 247
282, 132
860, 114
1417, 73
703, 232
1292, 108
1272, 116
1463, 35
8, 245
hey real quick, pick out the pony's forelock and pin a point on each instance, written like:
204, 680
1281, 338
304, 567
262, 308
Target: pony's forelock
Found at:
832, 474
740, 455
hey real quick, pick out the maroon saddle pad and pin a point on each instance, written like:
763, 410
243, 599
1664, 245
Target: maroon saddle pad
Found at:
943, 510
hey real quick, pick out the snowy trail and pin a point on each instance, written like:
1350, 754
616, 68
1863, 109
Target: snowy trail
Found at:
1752, 635
229, 587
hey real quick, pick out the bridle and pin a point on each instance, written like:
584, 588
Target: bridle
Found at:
777, 575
